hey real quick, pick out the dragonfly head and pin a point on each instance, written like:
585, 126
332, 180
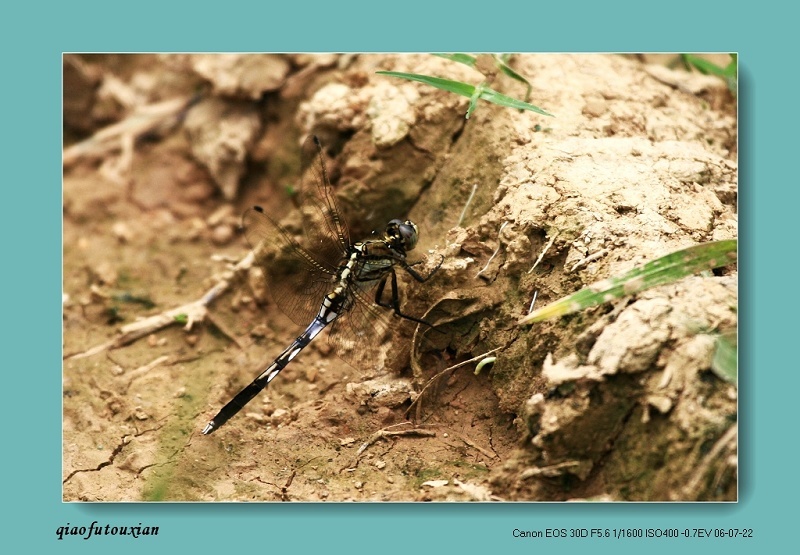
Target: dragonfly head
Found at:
402, 235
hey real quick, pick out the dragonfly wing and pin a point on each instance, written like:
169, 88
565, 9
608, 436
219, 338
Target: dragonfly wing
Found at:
300, 273
323, 221
358, 334
296, 278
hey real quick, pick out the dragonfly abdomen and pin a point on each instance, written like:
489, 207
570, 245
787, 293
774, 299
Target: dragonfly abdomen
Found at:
327, 314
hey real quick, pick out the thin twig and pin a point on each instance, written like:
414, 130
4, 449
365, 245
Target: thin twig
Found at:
497, 250
590, 258
195, 311
469, 200
381, 434
443, 372
386, 433
478, 448
144, 120
546, 248
533, 301
689, 491
142, 370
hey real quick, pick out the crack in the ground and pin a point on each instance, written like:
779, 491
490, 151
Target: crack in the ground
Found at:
126, 439
117, 450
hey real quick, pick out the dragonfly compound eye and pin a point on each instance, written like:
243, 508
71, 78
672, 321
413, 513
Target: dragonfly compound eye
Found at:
407, 232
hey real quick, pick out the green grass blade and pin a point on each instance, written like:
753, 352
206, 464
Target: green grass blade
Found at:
499, 61
448, 85
473, 100
732, 74
729, 73
666, 269
704, 66
467, 90
726, 358
506, 69
503, 100
465, 59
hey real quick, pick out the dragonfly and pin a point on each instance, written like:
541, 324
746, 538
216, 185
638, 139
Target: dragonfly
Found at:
327, 280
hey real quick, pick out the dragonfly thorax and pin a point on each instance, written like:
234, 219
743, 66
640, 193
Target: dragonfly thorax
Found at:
401, 235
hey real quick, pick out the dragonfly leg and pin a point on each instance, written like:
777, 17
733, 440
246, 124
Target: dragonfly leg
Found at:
394, 303
416, 275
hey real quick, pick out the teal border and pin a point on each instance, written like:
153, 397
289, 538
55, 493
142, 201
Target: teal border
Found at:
35, 37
